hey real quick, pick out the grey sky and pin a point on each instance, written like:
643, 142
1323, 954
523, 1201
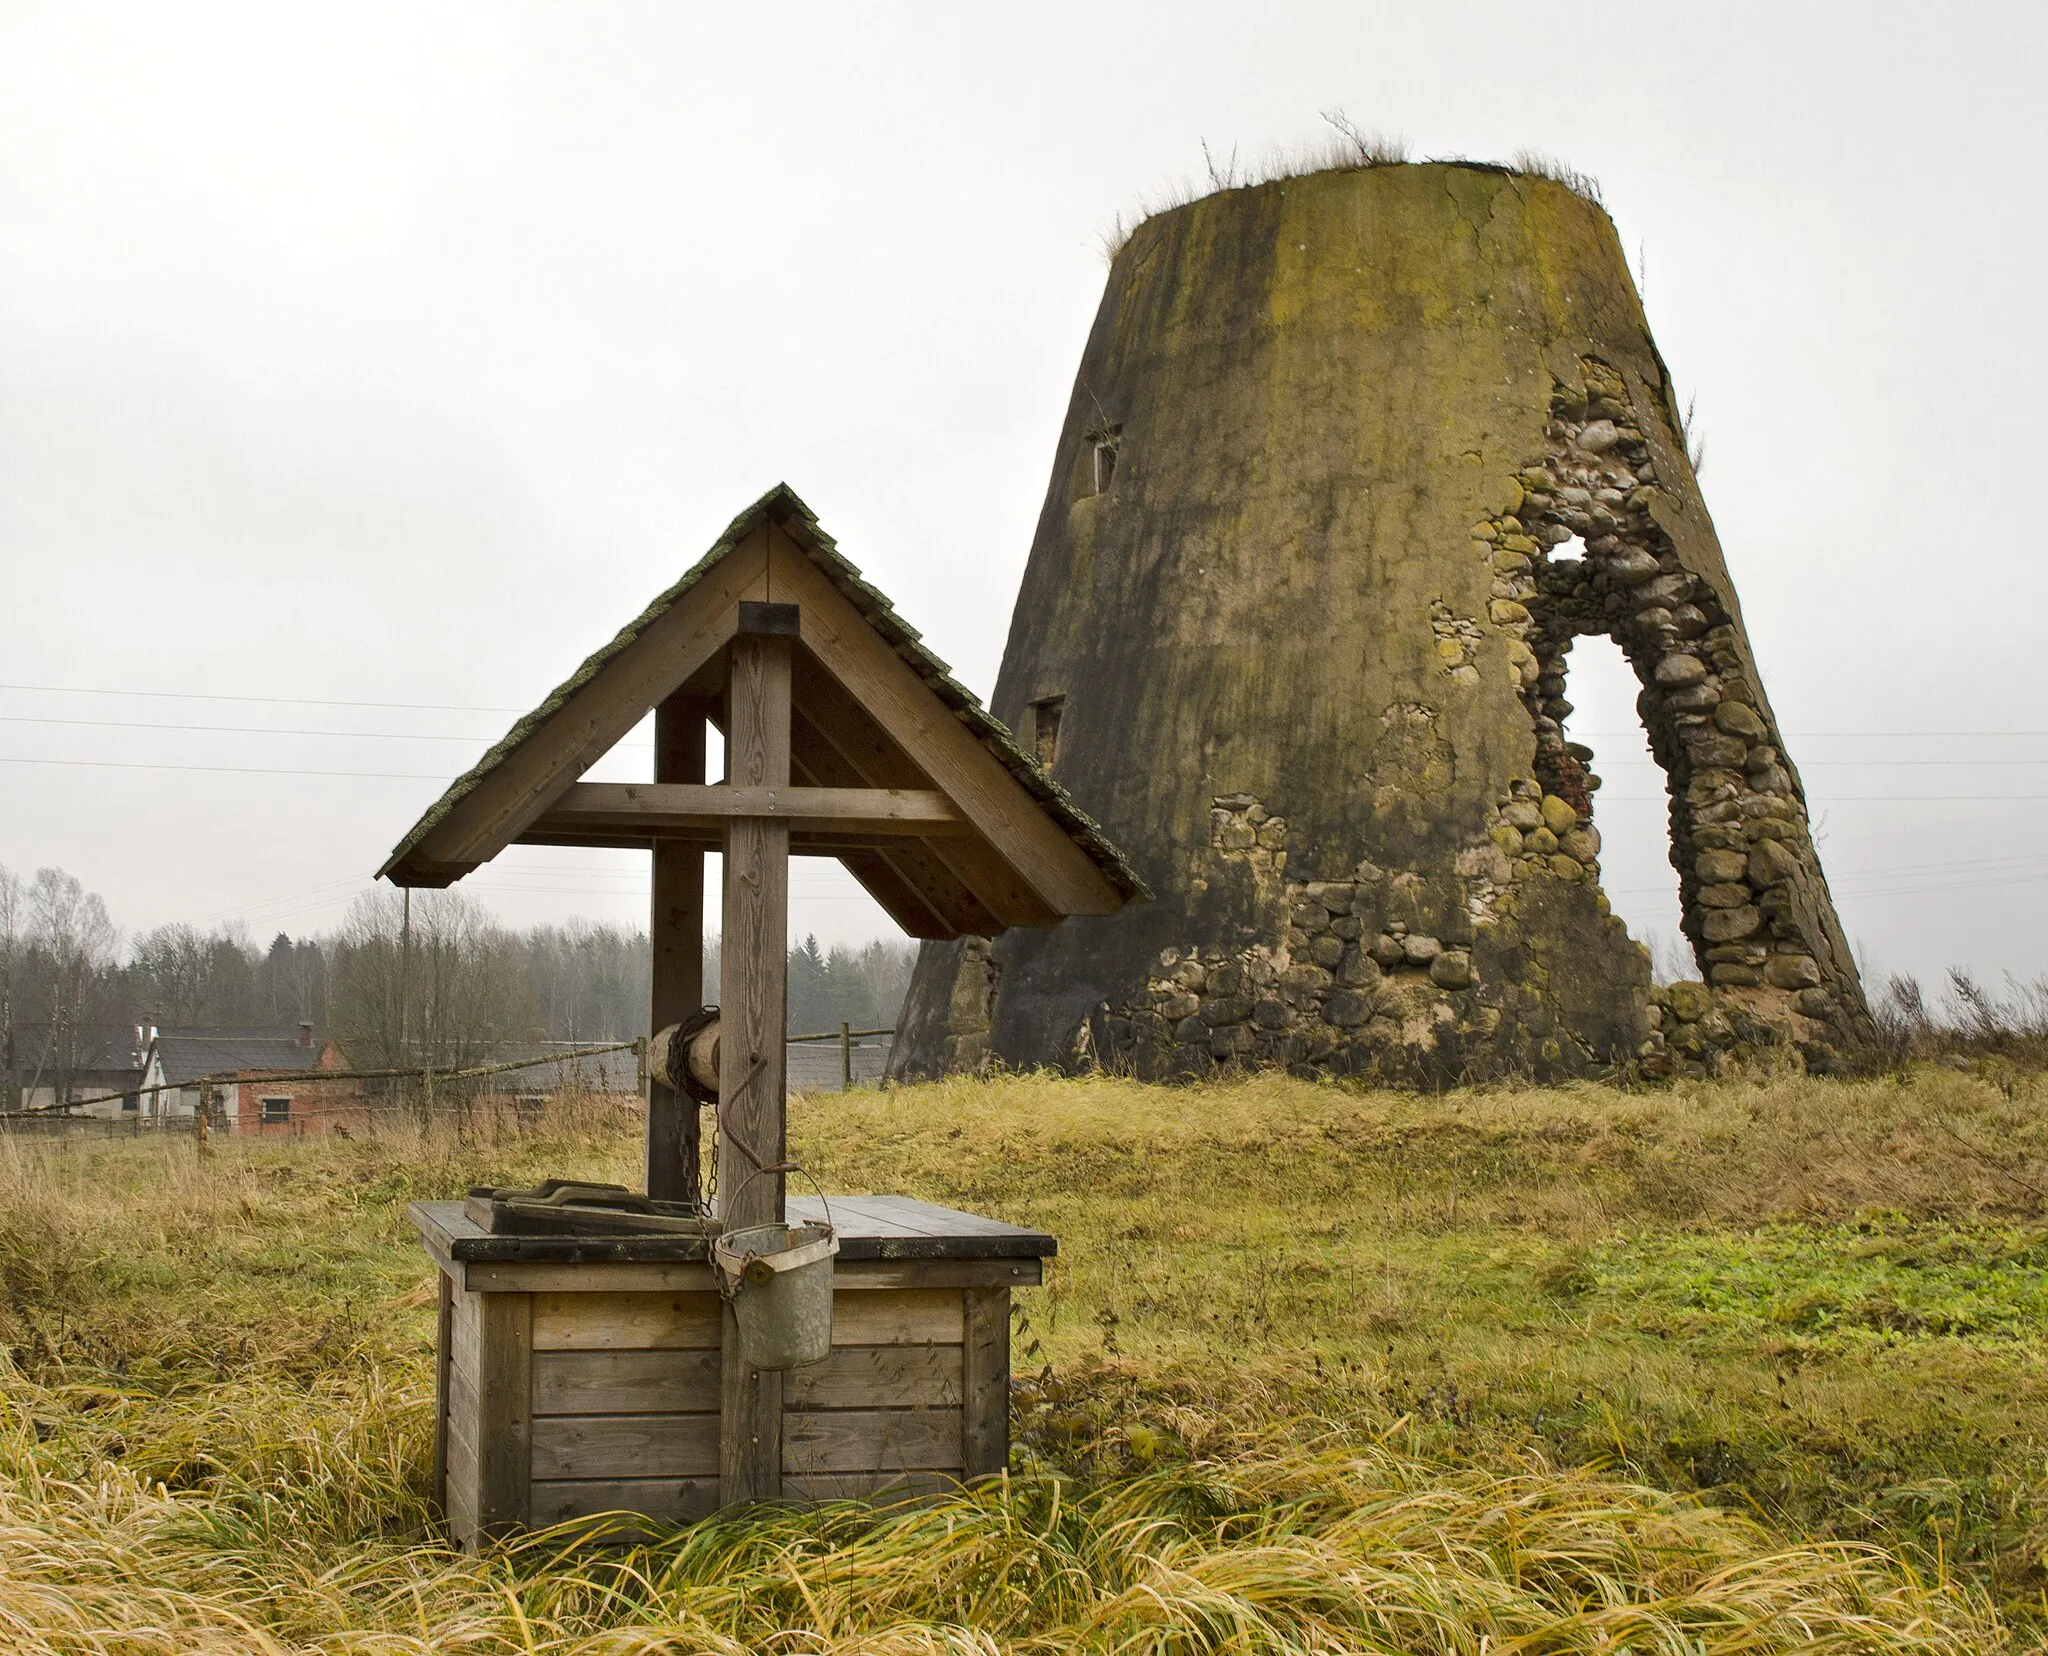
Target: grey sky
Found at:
400, 354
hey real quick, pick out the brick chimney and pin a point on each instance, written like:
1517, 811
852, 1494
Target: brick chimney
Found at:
306, 1033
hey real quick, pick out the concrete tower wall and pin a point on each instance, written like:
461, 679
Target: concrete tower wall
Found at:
1293, 632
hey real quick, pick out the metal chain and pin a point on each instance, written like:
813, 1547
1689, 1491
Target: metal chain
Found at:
711, 1177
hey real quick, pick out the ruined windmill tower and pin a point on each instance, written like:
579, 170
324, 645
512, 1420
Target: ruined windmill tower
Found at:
1296, 630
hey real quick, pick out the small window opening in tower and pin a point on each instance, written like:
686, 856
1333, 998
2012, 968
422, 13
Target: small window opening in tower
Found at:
1045, 730
1105, 442
1631, 809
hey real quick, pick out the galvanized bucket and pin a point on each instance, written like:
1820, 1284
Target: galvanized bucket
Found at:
779, 1279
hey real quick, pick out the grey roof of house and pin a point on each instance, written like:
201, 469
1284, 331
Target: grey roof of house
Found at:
98, 1048
782, 505
188, 1054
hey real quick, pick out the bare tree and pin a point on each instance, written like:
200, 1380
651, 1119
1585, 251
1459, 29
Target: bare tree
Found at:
589, 981
444, 995
187, 977
13, 921
70, 930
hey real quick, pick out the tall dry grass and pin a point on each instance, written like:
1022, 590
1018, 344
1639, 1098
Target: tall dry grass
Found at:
1281, 1550
215, 1386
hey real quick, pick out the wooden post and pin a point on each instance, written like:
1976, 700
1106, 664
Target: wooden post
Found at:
985, 1382
443, 1327
753, 996
845, 1056
676, 931
754, 960
504, 1427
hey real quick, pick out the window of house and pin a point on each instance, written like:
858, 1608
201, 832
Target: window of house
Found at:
130, 1101
1045, 730
276, 1109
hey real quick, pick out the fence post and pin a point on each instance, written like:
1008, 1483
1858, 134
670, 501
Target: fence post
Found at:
845, 1057
199, 1136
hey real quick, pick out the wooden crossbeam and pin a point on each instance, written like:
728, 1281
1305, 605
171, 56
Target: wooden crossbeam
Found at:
656, 809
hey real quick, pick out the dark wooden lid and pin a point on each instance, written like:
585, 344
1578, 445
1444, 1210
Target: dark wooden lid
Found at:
870, 1227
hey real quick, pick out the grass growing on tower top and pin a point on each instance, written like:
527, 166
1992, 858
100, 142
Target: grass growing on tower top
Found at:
1316, 1369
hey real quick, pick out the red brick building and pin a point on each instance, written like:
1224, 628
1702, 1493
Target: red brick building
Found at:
293, 1099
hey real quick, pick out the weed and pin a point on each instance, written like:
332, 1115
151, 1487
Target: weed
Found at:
1580, 184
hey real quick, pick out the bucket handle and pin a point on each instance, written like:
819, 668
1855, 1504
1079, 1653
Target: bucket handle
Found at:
760, 1269
760, 1167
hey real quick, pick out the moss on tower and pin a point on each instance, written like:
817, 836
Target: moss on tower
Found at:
1293, 631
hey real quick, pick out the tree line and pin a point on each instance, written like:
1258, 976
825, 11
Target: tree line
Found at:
448, 985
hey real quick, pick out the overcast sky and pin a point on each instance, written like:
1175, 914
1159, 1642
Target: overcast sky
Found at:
362, 368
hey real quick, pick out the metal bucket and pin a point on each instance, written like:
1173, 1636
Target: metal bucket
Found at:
779, 1279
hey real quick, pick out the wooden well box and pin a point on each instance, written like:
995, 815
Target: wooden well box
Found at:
579, 1375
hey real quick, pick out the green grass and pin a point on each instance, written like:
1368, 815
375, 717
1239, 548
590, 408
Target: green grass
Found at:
1730, 1367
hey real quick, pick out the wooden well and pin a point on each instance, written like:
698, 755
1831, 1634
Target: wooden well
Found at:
579, 1376
584, 1374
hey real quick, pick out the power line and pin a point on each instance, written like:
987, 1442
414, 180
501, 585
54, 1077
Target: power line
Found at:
335, 887
418, 736
238, 730
423, 776
227, 770
1843, 764
291, 701
1835, 735
269, 730
1846, 890
446, 707
1820, 801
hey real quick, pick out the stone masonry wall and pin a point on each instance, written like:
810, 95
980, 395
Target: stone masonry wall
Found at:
1751, 891
1402, 975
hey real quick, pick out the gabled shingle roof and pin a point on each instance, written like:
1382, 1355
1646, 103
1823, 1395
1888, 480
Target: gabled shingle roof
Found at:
98, 1048
783, 506
188, 1054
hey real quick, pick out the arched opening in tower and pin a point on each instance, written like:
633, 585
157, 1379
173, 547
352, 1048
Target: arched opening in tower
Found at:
1631, 807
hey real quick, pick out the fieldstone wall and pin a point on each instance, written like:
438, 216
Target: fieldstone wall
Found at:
1754, 901
1398, 975
1348, 982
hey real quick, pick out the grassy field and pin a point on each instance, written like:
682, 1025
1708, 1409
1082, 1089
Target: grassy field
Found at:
1742, 1366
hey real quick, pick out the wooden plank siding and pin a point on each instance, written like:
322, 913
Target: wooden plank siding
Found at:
985, 1381
886, 1402
612, 1402
679, 1445
625, 1322
665, 1500
624, 1382
625, 1405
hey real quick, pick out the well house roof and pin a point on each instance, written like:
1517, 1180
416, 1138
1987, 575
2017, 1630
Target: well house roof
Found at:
431, 855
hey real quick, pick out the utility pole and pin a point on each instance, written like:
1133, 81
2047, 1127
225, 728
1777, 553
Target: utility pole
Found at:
405, 990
